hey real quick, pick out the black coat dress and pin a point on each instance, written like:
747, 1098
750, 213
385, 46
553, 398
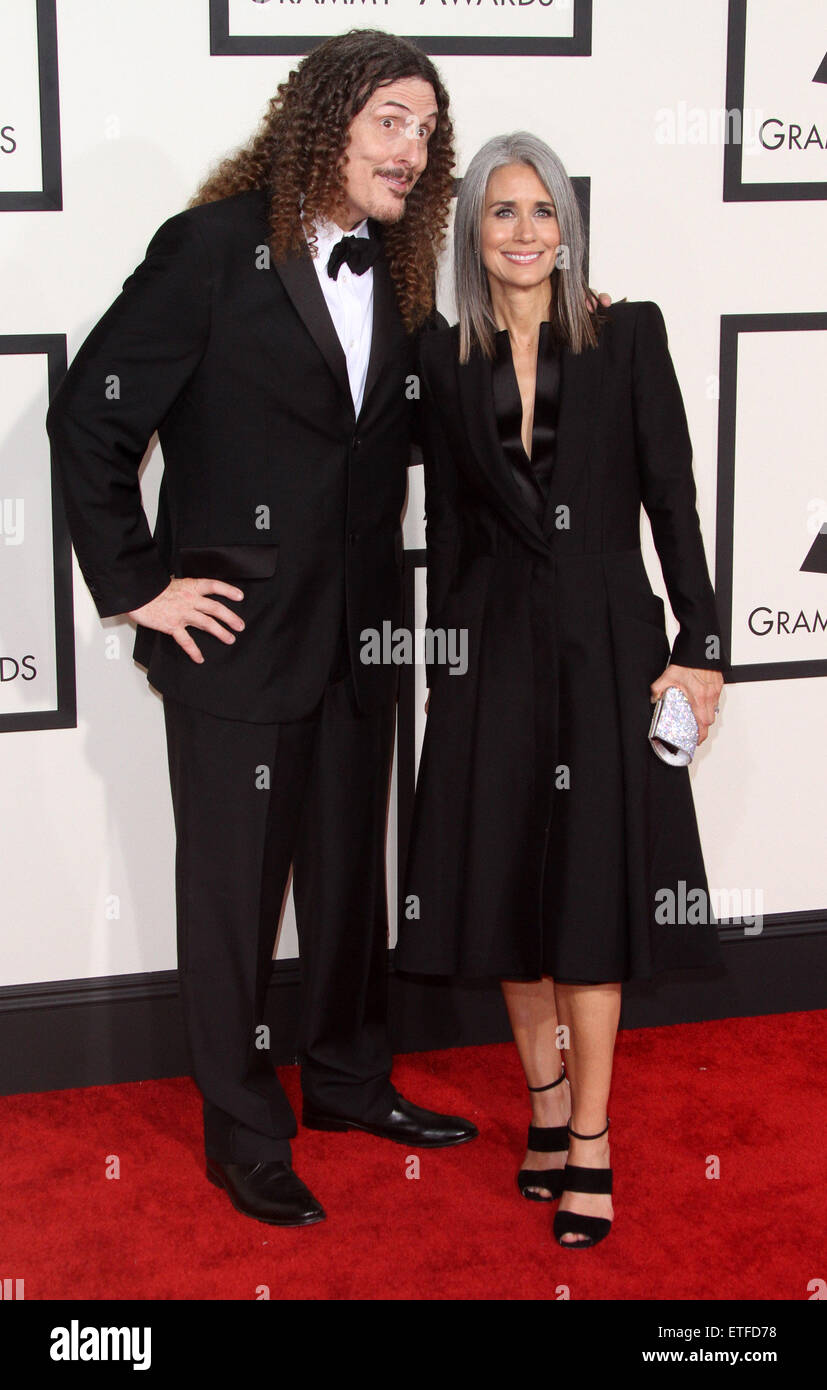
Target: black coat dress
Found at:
547, 837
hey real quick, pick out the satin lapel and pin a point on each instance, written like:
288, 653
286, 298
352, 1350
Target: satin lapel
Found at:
477, 400
387, 322
298, 275
581, 382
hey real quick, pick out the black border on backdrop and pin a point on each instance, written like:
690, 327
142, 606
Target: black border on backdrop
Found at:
49, 198
578, 44
732, 325
64, 716
735, 190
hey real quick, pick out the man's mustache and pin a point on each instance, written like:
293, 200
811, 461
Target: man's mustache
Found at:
396, 174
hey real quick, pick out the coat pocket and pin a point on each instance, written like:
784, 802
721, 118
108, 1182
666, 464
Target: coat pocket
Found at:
649, 609
229, 562
630, 593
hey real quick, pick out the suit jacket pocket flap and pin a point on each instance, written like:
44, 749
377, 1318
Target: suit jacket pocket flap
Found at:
228, 562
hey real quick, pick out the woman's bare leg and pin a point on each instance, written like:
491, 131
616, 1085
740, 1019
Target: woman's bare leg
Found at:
590, 1014
533, 1012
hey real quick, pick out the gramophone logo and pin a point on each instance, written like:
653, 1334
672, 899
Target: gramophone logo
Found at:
815, 561
771, 81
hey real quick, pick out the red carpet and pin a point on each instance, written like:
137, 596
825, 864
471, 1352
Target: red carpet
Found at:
750, 1091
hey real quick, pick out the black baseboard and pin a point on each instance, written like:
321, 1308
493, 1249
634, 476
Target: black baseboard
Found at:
129, 1028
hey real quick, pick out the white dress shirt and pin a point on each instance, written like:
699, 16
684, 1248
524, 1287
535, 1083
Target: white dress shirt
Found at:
349, 299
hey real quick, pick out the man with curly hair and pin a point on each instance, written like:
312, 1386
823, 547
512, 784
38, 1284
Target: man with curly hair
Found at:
269, 336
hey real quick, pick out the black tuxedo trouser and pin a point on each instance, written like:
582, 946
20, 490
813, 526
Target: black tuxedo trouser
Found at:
325, 811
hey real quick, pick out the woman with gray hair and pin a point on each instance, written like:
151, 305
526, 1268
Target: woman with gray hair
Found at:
546, 835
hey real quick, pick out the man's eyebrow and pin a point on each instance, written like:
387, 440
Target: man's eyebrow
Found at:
403, 107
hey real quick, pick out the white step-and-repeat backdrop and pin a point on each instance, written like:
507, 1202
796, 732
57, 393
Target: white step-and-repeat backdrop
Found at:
698, 138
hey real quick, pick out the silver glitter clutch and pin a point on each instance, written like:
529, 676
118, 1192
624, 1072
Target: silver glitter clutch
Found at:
673, 732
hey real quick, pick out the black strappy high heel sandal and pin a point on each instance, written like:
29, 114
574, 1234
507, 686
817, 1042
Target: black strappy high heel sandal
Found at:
577, 1179
545, 1139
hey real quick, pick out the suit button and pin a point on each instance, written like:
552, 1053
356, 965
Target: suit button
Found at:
355, 442
353, 537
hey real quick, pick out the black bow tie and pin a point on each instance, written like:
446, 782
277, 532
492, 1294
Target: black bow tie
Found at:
360, 252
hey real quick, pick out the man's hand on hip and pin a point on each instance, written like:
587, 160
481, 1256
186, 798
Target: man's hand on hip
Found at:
185, 603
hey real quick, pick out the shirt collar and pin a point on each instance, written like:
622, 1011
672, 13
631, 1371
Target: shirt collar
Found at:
328, 233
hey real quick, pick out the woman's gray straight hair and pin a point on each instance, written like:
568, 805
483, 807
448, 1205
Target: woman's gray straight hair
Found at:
571, 319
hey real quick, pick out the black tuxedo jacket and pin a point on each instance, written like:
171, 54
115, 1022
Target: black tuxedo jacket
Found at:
270, 481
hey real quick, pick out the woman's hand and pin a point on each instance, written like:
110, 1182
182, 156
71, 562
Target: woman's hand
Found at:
701, 688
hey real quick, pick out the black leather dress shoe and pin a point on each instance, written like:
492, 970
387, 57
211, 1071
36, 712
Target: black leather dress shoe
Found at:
406, 1124
269, 1191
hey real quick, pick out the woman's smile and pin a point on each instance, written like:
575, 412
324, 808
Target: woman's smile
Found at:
522, 257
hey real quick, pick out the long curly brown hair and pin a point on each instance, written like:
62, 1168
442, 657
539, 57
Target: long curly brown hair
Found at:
298, 156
